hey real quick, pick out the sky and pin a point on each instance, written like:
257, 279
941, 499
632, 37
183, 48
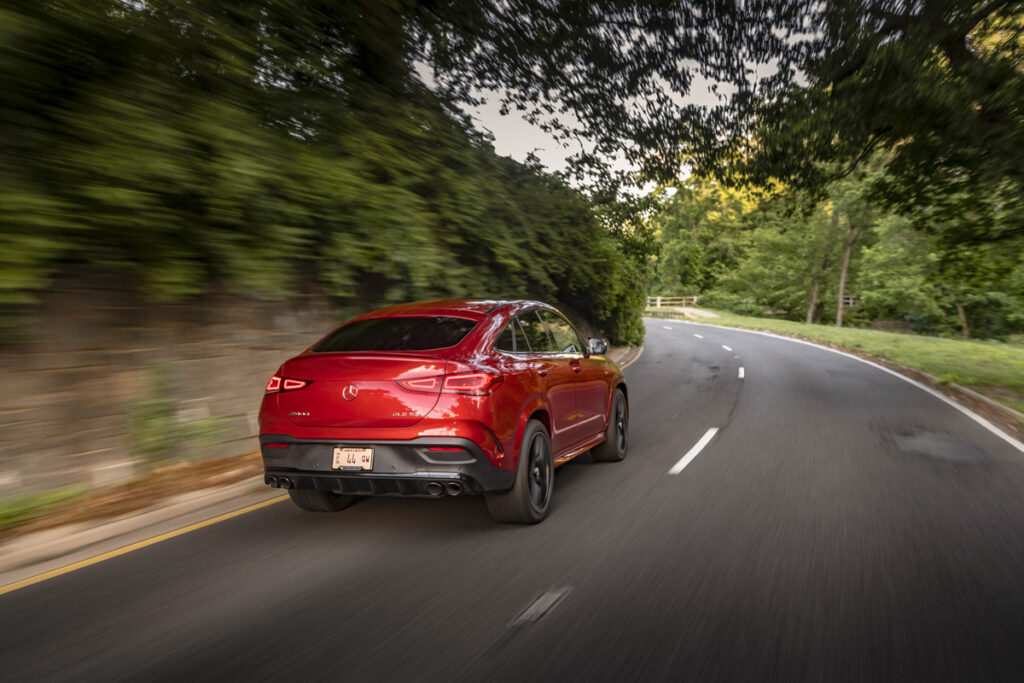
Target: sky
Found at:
515, 137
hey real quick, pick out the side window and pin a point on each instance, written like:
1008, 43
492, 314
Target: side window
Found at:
536, 332
511, 339
522, 346
506, 340
566, 340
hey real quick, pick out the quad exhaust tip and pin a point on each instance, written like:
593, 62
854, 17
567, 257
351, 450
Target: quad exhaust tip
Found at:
285, 482
454, 488
435, 489
271, 480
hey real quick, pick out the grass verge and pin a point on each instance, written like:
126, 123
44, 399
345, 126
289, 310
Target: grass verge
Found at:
993, 369
25, 508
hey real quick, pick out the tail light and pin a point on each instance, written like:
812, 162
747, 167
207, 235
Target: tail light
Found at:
423, 384
472, 383
277, 384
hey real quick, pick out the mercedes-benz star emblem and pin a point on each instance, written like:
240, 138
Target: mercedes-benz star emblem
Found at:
349, 392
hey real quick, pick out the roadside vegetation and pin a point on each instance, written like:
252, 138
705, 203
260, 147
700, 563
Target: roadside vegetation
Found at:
845, 261
273, 148
22, 509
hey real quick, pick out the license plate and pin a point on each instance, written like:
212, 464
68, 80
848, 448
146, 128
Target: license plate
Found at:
353, 458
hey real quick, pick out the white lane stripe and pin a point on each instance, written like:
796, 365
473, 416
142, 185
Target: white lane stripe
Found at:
692, 453
923, 387
741, 372
726, 347
699, 336
541, 606
666, 327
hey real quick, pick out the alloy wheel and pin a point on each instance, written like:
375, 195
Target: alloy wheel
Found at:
539, 472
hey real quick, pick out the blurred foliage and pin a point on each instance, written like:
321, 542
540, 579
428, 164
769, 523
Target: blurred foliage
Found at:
937, 86
159, 431
15, 511
270, 147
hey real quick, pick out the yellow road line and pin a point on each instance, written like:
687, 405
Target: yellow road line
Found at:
638, 354
134, 546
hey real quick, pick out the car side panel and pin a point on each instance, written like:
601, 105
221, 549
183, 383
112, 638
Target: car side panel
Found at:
593, 390
561, 398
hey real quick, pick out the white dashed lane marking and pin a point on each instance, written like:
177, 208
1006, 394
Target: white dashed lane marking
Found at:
541, 606
692, 453
726, 347
741, 372
699, 336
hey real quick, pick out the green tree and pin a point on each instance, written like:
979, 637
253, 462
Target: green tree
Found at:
702, 230
935, 85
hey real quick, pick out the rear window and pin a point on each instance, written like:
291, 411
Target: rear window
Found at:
397, 334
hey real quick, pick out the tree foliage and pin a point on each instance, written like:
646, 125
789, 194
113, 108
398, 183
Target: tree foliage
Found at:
787, 260
702, 230
936, 85
270, 147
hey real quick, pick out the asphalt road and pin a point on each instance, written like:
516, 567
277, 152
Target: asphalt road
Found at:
841, 525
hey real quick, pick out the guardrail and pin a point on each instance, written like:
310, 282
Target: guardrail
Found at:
662, 301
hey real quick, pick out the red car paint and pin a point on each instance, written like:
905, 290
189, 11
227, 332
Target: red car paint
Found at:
414, 395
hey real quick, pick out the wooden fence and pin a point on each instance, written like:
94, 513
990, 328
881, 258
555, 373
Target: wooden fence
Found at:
673, 301
662, 301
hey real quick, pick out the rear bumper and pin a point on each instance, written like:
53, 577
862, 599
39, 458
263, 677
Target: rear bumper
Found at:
404, 467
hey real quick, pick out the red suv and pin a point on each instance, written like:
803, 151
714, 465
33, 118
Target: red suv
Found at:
442, 398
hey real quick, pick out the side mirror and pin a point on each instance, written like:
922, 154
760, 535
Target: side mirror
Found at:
598, 346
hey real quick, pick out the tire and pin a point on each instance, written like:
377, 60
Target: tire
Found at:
320, 501
616, 435
529, 499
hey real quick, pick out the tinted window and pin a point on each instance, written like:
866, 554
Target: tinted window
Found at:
512, 339
566, 340
506, 340
536, 332
397, 334
521, 344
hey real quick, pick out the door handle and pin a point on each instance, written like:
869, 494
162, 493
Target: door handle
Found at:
543, 372
575, 365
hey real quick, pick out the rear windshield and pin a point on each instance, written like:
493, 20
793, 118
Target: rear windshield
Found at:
397, 334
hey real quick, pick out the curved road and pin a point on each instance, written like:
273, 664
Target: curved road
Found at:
841, 525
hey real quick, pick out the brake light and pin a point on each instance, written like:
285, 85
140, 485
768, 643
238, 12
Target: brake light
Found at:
470, 383
473, 383
277, 384
422, 384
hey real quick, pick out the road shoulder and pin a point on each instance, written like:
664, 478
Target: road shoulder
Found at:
43, 551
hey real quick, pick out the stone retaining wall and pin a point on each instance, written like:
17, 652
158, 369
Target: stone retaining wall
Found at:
102, 385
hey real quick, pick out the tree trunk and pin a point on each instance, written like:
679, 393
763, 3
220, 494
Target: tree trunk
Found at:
965, 329
851, 238
812, 301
